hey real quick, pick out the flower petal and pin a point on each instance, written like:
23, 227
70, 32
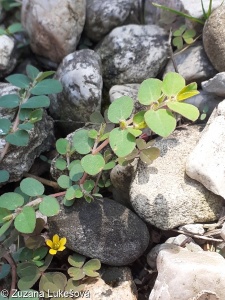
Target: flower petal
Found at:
52, 251
49, 243
62, 241
61, 248
55, 239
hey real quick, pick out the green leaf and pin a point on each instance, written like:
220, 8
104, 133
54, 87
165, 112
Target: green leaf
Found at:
43, 75
62, 146
18, 138
9, 101
49, 206
93, 164
150, 91
26, 220
36, 102
76, 171
110, 165
11, 200
190, 33
5, 269
139, 120
121, 142
19, 80
141, 144
5, 227
120, 109
82, 143
76, 273
150, 154
73, 192
64, 181
189, 40
40, 253
24, 114
32, 187
47, 86
26, 126
162, 121
89, 185
178, 42
76, 260
3, 31
91, 266
93, 134
15, 27
32, 72
4, 213
188, 91
60, 164
5, 126
96, 117
134, 132
36, 115
172, 84
25, 255
186, 110
180, 31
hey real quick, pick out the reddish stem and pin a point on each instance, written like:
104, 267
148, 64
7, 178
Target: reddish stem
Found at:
99, 148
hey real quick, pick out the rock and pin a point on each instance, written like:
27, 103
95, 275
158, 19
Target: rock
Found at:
206, 162
183, 274
215, 85
102, 229
193, 64
205, 295
133, 53
7, 56
193, 228
213, 38
80, 75
162, 195
222, 233
102, 17
115, 283
20, 159
53, 27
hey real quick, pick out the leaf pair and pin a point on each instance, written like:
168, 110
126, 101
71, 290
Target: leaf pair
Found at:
183, 35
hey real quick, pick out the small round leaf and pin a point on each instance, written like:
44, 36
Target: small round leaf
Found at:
49, 206
121, 142
150, 91
82, 143
93, 164
11, 200
120, 109
62, 146
172, 84
32, 187
26, 220
64, 181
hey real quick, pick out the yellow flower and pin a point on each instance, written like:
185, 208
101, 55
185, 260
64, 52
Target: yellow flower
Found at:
56, 244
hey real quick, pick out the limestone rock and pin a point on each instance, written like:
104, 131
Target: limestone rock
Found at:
133, 53
213, 38
103, 16
102, 229
80, 75
7, 56
215, 85
162, 195
206, 162
54, 26
183, 274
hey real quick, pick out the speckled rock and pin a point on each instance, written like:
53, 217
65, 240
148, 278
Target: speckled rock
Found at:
54, 26
163, 195
132, 53
80, 75
213, 38
193, 64
215, 85
102, 229
206, 162
7, 56
103, 16
20, 159
188, 275
115, 283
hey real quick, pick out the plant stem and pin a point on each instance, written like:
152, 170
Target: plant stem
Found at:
83, 178
96, 182
7, 256
99, 148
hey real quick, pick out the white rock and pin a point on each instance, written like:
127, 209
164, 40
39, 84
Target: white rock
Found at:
215, 85
183, 274
7, 61
163, 195
206, 162
193, 228
54, 26
222, 233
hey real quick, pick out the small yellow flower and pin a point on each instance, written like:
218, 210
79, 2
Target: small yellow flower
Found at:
56, 244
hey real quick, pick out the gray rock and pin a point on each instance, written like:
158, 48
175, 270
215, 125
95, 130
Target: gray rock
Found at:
53, 27
223, 232
80, 75
206, 162
193, 64
215, 85
7, 56
115, 283
183, 274
103, 16
193, 228
163, 195
102, 229
213, 38
133, 53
